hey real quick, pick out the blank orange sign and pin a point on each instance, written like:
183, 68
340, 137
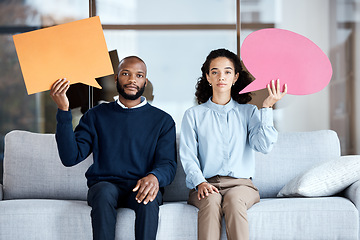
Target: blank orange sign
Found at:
76, 51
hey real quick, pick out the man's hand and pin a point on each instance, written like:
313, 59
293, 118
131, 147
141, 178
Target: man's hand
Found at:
148, 188
205, 188
58, 94
275, 94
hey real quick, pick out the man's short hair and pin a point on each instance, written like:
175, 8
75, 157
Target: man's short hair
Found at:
129, 57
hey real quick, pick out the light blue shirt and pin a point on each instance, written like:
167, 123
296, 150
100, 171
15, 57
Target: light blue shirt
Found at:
221, 139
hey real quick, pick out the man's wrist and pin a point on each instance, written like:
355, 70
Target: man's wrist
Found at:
153, 175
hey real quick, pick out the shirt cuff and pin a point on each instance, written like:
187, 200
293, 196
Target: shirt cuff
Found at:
196, 179
266, 117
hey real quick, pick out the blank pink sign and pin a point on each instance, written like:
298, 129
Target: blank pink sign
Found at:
281, 54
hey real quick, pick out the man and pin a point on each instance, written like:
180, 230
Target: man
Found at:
134, 151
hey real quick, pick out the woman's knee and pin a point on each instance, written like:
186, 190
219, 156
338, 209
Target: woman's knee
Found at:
211, 202
239, 200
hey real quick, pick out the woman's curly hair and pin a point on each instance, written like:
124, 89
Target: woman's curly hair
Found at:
204, 90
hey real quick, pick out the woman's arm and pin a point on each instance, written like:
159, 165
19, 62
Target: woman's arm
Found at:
188, 150
262, 134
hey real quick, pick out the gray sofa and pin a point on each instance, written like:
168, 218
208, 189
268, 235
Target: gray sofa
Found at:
42, 199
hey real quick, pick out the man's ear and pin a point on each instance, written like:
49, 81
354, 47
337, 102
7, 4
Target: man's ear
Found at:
115, 77
146, 81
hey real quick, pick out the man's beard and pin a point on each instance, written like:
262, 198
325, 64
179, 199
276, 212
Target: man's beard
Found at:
121, 91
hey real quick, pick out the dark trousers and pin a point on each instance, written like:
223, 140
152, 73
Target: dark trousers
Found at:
106, 197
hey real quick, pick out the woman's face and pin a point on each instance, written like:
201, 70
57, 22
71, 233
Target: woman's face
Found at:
221, 75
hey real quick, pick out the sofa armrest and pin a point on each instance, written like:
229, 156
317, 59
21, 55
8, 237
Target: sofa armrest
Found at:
353, 193
1, 192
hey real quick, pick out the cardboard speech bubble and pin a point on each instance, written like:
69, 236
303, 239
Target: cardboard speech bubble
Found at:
76, 51
271, 54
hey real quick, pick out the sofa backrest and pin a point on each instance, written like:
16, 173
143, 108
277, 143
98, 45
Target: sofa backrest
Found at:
32, 167
293, 154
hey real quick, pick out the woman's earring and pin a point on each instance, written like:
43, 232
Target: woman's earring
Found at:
210, 84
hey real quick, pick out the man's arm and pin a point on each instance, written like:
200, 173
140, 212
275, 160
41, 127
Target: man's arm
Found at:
72, 149
165, 155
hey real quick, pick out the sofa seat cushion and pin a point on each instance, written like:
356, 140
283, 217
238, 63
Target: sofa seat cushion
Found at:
66, 219
177, 220
44, 219
304, 218
287, 218
273, 218
55, 219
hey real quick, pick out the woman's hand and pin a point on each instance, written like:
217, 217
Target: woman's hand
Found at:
205, 188
58, 94
275, 94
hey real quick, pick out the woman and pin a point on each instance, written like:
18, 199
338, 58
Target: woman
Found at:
217, 143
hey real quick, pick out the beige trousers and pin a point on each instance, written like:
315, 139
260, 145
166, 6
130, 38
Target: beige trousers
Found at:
235, 197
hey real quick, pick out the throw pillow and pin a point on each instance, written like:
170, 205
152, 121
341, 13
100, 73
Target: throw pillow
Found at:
325, 179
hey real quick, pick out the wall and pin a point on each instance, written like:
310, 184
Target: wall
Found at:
310, 19
357, 78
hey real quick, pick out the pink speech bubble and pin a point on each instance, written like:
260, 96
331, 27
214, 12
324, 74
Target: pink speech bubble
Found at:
281, 54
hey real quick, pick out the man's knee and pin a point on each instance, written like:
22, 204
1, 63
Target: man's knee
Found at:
103, 193
150, 206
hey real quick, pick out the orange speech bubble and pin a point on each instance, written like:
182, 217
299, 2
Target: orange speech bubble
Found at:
76, 51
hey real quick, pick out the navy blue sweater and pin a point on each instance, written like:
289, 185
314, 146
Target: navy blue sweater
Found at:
127, 144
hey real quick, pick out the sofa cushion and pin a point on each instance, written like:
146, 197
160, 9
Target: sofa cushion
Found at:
45, 219
293, 154
177, 190
41, 175
55, 219
290, 218
326, 179
177, 221
304, 218
58, 219
32, 169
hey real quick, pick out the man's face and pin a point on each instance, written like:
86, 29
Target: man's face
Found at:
131, 79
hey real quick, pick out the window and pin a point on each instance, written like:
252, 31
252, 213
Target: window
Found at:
173, 38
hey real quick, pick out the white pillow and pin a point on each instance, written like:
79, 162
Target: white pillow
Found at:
325, 179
